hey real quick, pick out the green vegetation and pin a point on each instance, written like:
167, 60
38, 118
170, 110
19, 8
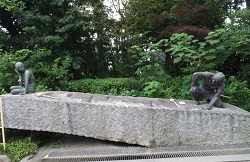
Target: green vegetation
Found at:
114, 86
236, 93
16, 149
20, 143
151, 50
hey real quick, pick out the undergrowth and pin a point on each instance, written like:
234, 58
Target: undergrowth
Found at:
21, 143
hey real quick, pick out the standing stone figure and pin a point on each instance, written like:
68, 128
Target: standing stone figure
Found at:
26, 79
210, 89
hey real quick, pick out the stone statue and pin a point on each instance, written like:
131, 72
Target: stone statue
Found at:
26, 79
213, 84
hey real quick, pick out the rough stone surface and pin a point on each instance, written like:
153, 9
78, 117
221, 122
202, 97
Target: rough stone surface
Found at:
4, 158
145, 121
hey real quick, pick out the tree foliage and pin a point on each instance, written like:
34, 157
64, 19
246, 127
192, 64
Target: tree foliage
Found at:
60, 40
196, 17
236, 40
70, 40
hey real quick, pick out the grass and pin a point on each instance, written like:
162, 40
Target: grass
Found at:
20, 143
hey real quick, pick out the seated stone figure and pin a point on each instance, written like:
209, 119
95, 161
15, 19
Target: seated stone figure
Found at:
26, 79
210, 89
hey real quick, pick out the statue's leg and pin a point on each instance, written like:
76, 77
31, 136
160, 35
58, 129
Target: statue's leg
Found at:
31, 88
196, 92
17, 91
15, 87
218, 103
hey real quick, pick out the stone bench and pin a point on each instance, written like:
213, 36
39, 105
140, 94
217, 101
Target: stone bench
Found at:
150, 122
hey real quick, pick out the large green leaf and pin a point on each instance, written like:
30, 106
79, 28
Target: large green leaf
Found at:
176, 60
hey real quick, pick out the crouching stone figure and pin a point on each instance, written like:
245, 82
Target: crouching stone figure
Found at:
213, 84
27, 81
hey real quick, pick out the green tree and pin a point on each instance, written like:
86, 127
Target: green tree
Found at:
142, 22
134, 27
197, 17
237, 40
63, 39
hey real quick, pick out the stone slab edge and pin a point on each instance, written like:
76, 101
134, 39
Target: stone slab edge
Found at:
135, 120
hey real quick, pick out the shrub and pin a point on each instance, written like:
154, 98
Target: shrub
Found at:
21, 143
114, 86
168, 87
153, 89
237, 93
19, 148
160, 87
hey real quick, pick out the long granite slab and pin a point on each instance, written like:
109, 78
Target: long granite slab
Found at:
150, 122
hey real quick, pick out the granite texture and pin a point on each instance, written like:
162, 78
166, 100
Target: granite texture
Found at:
150, 122
4, 158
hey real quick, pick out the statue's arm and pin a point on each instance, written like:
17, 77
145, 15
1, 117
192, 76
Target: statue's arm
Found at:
216, 96
196, 75
27, 78
20, 80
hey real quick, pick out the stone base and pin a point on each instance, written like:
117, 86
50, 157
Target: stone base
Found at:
150, 122
4, 158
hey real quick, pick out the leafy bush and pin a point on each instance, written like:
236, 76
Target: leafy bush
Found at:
21, 143
153, 89
197, 56
236, 40
150, 62
151, 70
237, 93
114, 86
7, 74
42, 88
181, 87
161, 87
244, 74
167, 87
46, 73
19, 148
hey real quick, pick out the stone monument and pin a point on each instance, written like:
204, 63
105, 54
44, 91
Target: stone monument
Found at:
151, 122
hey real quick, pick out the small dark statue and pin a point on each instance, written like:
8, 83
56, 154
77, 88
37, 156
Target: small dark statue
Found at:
26, 78
210, 89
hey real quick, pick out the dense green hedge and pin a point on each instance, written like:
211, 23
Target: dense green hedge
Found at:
114, 86
236, 93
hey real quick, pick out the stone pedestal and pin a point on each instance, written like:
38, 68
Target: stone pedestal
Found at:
148, 122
